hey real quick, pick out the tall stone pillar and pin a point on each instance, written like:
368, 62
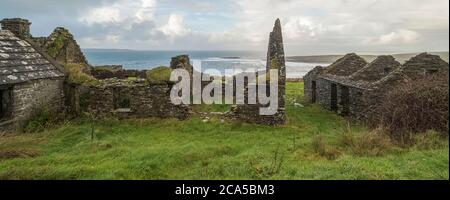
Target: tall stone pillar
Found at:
275, 60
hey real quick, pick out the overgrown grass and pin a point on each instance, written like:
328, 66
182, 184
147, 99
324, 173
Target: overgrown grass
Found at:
76, 75
193, 149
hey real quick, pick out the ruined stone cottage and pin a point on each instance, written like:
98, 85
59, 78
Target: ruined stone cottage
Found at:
29, 79
275, 60
62, 47
351, 86
123, 98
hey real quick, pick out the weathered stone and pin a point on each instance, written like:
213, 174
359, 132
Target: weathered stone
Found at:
28, 81
310, 84
116, 71
182, 62
423, 64
123, 99
275, 60
356, 94
62, 47
346, 65
20, 27
377, 69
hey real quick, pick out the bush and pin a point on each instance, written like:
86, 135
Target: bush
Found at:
414, 106
159, 75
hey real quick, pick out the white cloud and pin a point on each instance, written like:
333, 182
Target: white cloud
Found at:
309, 26
101, 15
339, 26
298, 26
399, 37
175, 26
120, 12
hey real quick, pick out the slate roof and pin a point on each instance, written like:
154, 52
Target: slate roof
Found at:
377, 69
346, 65
20, 62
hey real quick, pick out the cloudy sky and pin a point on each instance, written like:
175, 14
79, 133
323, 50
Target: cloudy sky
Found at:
309, 26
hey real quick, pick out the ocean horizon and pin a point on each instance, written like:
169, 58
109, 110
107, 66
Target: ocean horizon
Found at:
206, 60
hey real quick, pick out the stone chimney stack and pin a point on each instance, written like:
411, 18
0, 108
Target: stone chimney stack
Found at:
20, 27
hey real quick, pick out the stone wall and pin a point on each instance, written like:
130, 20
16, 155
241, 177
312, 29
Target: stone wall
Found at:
309, 80
350, 100
116, 71
122, 99
31, 97
324, 93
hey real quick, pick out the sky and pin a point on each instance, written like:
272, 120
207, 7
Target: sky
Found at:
310, 27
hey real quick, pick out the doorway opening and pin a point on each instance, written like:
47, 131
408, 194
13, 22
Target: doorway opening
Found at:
345, 100
313, 92
334, 105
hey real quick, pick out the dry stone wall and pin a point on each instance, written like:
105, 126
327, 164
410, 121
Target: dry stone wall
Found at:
122, 99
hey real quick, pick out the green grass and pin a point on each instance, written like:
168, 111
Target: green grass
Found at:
159, 75
192, 149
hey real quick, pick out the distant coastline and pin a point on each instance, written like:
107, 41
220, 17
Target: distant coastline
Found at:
318, 59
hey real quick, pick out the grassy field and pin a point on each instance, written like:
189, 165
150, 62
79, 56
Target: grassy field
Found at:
314, 144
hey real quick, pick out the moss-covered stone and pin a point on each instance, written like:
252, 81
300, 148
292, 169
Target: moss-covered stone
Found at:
54, 48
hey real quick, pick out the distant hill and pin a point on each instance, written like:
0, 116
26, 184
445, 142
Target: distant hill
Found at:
331, 58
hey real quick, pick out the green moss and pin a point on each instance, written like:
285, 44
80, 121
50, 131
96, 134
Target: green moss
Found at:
274, 63
55, 47
132, 78
159, 75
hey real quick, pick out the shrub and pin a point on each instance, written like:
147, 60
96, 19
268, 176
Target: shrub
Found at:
414, 106
159, 75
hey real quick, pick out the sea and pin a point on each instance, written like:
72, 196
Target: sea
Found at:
211, 62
